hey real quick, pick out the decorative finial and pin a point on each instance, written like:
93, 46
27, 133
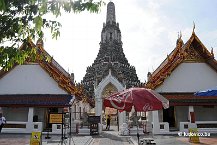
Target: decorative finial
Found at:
168, 57
180, 35
212, 51
193, 27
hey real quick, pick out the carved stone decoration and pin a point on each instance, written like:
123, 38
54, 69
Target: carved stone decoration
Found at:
108, 90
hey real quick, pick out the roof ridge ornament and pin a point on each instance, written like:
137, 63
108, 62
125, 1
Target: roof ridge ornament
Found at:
180, 34
212, 51
193, 28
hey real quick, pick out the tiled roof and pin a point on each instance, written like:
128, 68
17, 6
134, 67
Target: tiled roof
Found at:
55, 71
39, 100
182, 53
190, 99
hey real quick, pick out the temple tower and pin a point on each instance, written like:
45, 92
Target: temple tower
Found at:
110, 72
110, 58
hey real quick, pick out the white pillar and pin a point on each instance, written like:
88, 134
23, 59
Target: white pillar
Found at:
98, 111
30, 126
121, 118
156, 124
190, 109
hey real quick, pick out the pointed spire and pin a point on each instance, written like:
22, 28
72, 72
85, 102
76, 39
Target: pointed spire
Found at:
110, 12
168, 57
193, 28
179, 41
212, 51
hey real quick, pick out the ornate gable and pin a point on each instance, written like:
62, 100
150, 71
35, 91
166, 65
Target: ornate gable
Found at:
191, 55
56, 71
192, 51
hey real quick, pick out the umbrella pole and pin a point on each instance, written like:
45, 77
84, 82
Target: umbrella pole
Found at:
137, 128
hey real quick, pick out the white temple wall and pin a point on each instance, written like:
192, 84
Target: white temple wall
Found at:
29, 79
189, 77
205, 114
181, 114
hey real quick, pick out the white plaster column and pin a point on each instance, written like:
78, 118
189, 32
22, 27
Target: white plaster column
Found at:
156, 124
29, 125
190, 109
98, 111
122, 118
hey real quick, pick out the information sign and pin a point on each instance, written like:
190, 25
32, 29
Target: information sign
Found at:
56, 118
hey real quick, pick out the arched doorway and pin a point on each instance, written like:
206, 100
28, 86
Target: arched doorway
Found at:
108, 90
106, 87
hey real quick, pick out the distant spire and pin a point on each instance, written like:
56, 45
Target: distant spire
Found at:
110, 12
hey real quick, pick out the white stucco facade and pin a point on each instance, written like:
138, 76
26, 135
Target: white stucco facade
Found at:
189, 77
29, 79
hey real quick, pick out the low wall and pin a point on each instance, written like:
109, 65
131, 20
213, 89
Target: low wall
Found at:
203, 126
22, 127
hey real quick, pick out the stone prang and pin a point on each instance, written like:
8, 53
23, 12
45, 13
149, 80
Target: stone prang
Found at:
110, 58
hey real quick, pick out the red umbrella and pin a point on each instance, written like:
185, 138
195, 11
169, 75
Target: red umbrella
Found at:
141, 98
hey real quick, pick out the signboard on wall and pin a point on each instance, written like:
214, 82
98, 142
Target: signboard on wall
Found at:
56, 118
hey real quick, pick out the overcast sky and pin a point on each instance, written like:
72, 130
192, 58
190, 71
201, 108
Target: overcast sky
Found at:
149, 32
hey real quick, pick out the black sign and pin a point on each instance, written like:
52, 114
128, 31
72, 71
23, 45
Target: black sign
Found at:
94, 119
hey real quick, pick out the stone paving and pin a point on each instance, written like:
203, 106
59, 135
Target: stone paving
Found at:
24, 139
107, 141
177, 140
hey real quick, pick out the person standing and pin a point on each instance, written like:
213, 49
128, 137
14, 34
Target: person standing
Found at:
2, 121
108, 122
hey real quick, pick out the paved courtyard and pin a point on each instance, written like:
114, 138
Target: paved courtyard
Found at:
24, 139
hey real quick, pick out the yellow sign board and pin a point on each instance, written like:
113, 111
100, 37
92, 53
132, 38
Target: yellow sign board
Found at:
56, 118
35, 138
193, 135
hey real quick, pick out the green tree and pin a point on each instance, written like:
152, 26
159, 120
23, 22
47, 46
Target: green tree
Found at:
24, 20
